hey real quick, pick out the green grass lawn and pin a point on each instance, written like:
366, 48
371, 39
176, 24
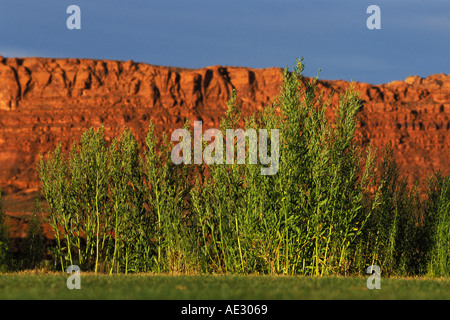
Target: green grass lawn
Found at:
53, 286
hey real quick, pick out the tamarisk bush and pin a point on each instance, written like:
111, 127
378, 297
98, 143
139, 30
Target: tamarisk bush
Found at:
94, 198
407, 235
438, 223
119, 207
5, 254
304, 219
393, 229
76, 193
33, 245
167, 193
110, 209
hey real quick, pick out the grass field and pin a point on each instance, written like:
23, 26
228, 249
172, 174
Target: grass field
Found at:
154, 287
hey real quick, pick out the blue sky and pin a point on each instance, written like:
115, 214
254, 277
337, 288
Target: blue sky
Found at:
330, 34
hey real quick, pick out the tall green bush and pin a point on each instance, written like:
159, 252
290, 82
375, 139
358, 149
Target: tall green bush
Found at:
393, 228
89, 198
321, 181
438, 219
117, 207
305, 218
5, 254
130, 224
34, 242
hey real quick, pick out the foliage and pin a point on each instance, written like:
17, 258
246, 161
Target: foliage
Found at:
34, 242
5, 253
438, 223
116, 208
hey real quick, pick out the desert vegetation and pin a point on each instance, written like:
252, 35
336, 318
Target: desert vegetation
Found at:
332, 208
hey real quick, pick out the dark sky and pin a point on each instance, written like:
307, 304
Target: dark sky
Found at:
414, 38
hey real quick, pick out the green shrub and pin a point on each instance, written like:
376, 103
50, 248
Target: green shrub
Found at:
304, 219
116, 208
5, 254
393, 231
438, 220
34, 243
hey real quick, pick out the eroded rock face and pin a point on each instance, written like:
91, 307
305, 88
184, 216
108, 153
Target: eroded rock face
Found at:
47, 101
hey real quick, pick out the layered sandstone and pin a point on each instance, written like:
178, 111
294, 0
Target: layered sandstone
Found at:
47, 101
